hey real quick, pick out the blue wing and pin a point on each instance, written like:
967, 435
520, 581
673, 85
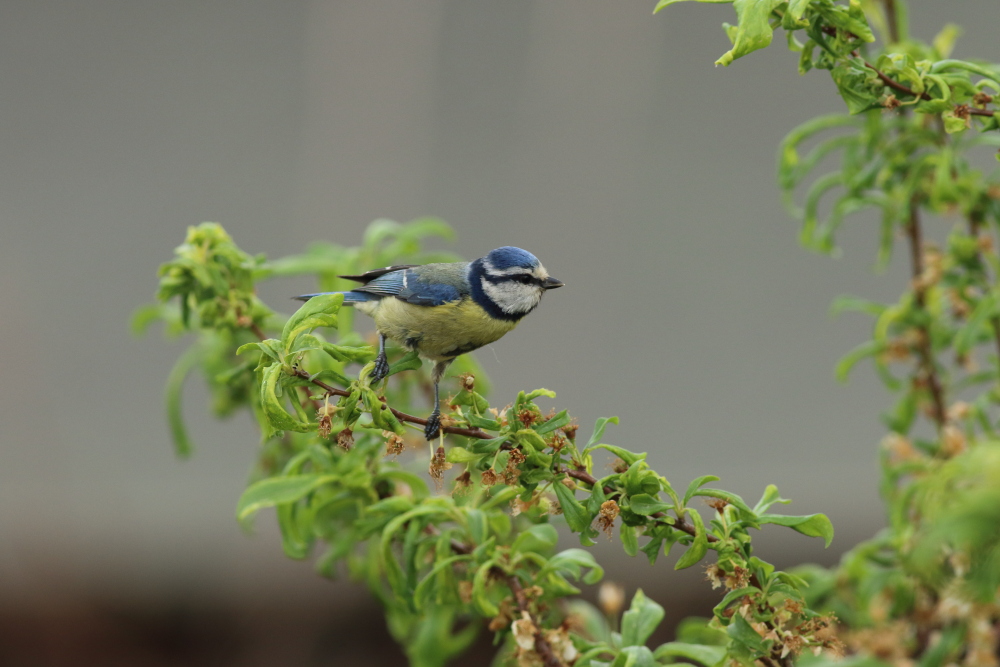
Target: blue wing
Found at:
407, 285
401, 282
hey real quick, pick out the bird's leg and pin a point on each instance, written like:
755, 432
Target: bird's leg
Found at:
433, 427
381, 362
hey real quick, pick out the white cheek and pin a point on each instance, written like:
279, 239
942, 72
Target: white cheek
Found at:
513, 297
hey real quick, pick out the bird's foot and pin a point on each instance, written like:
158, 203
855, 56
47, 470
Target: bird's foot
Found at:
381, 369
433, 428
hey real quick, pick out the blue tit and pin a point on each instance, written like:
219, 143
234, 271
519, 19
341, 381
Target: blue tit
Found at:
444, 310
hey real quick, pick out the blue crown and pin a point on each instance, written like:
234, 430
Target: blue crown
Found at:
509, 257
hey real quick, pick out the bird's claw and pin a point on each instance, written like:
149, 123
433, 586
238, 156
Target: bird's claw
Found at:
433, 428
381, 369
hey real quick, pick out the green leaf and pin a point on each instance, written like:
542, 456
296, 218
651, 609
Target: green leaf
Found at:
698, 548
753, 30
769, 497
625, 455
697, 483
576, 515
980, 317
641, 619
410, 362
422, 593
706, 655
539, 538
729, 497
173, 395
646, 505
629, 540
731, 597
850, 360
599, 427
571, 562
846, 303
318, 311
277, 416
813, 525
557, 421
479, 595
741, 633
278, 490
462, 455
852, 81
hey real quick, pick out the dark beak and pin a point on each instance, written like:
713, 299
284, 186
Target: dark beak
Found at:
552, 283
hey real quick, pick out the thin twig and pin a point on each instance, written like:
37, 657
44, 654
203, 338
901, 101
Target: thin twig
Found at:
542, 646
924, 348
679, 524
401, 416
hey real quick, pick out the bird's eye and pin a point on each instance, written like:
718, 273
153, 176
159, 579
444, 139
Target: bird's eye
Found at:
524, 279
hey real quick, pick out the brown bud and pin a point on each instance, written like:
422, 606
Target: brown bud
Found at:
467, 381
438, 465
489, 478
981, 99
570, 430
325, 425
394, 444
345, 439
606, 518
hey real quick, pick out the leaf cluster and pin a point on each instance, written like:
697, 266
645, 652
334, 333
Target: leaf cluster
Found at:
485, 553
925, 590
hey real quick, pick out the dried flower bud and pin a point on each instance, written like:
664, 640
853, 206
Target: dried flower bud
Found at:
394, 444
714, 574
718, 504
524, 631
611, 598
529, 416
570, 430
438, 465
891, 102
467, 381
325, 423
619, 466
953, 440
738, 578
959, 410
606, 518
489, 478
900, 449
561, 644
345, 439
462, 484
512, 472
981, 99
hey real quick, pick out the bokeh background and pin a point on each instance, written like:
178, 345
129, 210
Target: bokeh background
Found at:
593, 133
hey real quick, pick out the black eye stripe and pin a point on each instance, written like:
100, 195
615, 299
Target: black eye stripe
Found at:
523, 278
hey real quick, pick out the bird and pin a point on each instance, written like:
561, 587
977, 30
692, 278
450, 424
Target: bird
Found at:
444, 310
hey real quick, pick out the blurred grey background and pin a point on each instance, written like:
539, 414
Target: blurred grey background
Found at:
593, 133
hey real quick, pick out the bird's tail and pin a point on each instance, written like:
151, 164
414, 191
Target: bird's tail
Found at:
349, 297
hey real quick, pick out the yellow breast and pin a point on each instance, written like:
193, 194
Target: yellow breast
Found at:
437, 332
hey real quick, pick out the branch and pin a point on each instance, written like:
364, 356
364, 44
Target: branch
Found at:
924, 348
680, 524
542, 646
401, 416
895, 85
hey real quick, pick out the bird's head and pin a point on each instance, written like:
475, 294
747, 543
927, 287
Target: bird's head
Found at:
512, 279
